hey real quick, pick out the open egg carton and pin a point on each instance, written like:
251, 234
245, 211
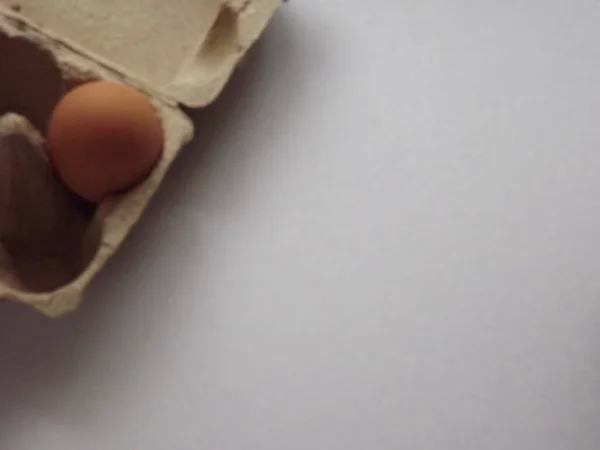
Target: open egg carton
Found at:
177, 52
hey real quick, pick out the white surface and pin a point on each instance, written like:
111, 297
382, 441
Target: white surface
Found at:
386, 237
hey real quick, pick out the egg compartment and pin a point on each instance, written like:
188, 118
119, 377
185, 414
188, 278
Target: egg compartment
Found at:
52, 244
42, 225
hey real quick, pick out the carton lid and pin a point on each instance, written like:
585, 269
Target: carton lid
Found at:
184, 49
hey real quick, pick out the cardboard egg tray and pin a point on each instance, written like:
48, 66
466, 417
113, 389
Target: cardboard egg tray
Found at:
176, 52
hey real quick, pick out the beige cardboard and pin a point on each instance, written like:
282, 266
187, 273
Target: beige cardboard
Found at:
181, 51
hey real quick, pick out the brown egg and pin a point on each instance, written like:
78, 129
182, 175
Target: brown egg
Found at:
104, 138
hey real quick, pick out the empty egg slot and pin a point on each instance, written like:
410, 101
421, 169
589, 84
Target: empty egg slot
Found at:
44, 229
30, 81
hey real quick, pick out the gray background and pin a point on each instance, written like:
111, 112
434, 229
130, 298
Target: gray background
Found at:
384, 237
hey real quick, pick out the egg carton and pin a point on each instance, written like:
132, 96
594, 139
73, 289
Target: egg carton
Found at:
176, 52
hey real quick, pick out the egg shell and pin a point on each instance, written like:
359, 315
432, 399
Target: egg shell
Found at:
172, 53
104, 138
